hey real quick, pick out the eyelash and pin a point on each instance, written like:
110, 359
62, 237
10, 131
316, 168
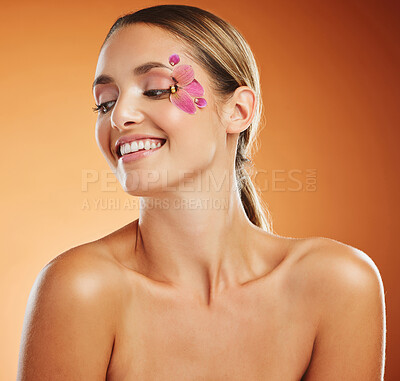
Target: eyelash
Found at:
148, 93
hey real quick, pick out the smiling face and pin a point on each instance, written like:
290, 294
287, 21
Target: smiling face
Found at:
189, 142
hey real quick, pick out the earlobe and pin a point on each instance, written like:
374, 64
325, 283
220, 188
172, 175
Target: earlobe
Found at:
242, 109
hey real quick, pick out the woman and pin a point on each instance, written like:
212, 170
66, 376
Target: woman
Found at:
199, 287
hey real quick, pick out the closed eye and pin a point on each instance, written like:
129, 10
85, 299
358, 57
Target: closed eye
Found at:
157, 93
103, 108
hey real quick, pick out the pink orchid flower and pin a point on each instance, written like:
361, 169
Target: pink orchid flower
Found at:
186, 87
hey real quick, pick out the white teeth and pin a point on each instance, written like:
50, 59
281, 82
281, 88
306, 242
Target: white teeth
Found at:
134, 147
138, 145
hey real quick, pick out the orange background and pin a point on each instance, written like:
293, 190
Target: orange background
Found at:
330, 85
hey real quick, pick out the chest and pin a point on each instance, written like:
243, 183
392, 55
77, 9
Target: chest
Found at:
239, 337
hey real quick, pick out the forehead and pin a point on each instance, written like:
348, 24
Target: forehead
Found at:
139, 43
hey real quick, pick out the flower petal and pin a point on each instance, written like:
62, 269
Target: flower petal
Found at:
194, 89
200, 102
182, 100
174, 59
183, 74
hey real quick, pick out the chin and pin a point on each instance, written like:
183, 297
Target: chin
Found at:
149, 183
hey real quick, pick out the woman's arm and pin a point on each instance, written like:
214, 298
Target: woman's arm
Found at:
351, 337
68, 331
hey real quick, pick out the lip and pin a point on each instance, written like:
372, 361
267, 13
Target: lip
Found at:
131, 138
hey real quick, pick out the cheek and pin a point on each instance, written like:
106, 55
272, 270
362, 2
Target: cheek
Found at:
103, 138
192, 138
178, 123
168, 117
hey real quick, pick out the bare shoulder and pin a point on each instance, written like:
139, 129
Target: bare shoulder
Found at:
346, 286
334, 274
88, 271
334, 266
70, 317
88, 268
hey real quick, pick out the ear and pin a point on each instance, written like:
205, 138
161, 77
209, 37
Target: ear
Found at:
240, 110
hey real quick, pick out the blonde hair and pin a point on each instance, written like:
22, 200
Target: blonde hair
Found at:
225, 55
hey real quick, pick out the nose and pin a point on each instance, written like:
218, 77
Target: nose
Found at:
125, 114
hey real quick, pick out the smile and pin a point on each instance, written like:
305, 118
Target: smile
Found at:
139, 148
138, 145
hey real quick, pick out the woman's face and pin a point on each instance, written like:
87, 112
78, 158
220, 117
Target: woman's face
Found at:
190, 141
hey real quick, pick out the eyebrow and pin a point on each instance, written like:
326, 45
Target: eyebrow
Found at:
140, 70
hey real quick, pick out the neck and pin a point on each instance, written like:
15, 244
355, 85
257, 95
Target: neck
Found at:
195, 240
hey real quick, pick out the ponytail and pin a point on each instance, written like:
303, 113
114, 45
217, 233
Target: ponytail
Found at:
256, 211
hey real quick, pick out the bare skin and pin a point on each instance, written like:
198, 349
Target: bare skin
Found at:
183, 294
93, 315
